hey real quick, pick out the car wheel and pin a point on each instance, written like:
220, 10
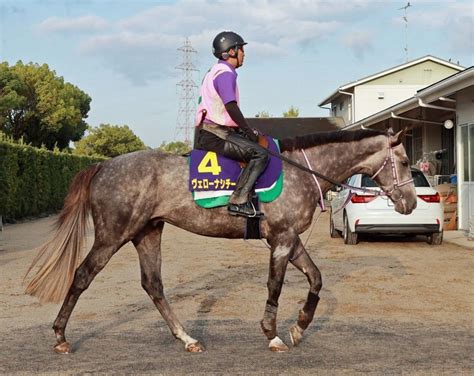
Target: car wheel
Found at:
349, 236
332, 230
435, 238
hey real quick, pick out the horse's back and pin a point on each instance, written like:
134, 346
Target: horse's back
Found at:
138, 181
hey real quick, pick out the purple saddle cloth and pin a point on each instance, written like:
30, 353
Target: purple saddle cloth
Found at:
211, 172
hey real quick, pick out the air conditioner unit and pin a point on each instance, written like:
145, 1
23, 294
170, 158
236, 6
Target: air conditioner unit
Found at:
380, 95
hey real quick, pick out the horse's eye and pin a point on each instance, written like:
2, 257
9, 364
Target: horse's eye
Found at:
405, 163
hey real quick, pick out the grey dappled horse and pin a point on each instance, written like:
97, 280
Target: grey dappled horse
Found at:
131, 197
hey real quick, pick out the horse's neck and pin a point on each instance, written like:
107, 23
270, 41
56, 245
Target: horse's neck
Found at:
339, 161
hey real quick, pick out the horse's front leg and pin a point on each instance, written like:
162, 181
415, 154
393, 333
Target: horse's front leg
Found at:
282, 247
301, 260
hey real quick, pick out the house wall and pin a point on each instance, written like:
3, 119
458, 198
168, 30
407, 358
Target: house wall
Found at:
342, 108
431, 138
424, 73
465, 106
370, 99
386, 91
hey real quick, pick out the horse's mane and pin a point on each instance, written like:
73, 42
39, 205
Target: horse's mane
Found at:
322, 138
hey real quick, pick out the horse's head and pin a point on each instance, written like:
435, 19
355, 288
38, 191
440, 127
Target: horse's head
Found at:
394, 175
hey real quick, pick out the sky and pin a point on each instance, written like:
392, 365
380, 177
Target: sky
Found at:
124, 53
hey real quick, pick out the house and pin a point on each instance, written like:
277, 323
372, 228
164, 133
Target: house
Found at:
359, 99
438, 114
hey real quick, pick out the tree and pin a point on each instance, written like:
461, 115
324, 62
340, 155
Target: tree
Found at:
109, 141
40, 107
263, 114
176, 147
293, 112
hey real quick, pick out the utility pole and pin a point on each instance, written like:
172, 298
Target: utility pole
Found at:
405, 18
187, 93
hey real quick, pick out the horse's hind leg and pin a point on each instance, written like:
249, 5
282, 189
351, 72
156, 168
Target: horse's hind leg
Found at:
301, 260
148, 244
95, 261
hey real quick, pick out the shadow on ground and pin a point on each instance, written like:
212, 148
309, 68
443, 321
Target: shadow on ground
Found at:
235, 346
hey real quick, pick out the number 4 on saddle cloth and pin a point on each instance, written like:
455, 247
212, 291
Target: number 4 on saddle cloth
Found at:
212, 177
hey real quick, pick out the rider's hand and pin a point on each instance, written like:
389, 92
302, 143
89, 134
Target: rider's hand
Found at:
251, 134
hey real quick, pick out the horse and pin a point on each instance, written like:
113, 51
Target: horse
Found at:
132, 196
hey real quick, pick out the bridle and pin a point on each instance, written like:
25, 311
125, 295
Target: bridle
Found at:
388, 193
396, 177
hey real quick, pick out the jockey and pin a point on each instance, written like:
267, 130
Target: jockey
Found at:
221, 126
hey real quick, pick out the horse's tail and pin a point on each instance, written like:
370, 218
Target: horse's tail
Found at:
63, 253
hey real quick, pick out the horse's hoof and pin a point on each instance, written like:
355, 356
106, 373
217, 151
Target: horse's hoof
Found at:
63, 348
277, 345
195, 347
296, 333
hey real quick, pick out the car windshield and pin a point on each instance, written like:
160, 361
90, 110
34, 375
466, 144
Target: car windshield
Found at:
418, 178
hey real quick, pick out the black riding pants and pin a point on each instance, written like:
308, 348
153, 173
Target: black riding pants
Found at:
231, 143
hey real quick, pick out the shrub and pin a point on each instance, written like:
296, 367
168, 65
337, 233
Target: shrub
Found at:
35, 181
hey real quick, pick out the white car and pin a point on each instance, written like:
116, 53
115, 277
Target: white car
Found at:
366, 213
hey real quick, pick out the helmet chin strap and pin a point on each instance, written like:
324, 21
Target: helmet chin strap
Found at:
226, 56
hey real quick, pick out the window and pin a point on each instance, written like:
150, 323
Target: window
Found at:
341, 106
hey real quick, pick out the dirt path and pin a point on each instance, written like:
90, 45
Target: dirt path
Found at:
387, 306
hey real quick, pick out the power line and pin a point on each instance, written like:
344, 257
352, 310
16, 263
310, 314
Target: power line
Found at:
405, 18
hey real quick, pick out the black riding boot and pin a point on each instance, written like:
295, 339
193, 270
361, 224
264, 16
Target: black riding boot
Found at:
240, 201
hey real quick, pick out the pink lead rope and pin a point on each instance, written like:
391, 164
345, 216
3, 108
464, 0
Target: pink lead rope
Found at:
321, 199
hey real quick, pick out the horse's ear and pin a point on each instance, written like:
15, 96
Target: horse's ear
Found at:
396, 139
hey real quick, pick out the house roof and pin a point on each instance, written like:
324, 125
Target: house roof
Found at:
444, 87
387, 72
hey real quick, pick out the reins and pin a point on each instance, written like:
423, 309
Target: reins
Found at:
396, 185
375, 192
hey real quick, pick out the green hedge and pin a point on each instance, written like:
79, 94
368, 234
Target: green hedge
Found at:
35, 181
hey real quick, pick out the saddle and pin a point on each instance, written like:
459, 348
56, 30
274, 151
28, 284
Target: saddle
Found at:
212, 177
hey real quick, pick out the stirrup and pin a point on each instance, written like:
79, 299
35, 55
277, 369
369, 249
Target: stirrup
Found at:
244, 210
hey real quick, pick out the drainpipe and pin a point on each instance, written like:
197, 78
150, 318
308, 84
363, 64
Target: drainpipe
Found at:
414, 120
423, 104
447, 99
352, 105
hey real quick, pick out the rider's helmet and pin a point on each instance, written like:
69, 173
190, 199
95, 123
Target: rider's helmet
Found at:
224, 42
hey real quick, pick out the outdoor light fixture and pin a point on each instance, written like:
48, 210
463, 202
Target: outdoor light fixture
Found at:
448, 124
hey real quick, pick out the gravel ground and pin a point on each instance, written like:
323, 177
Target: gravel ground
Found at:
388, 306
